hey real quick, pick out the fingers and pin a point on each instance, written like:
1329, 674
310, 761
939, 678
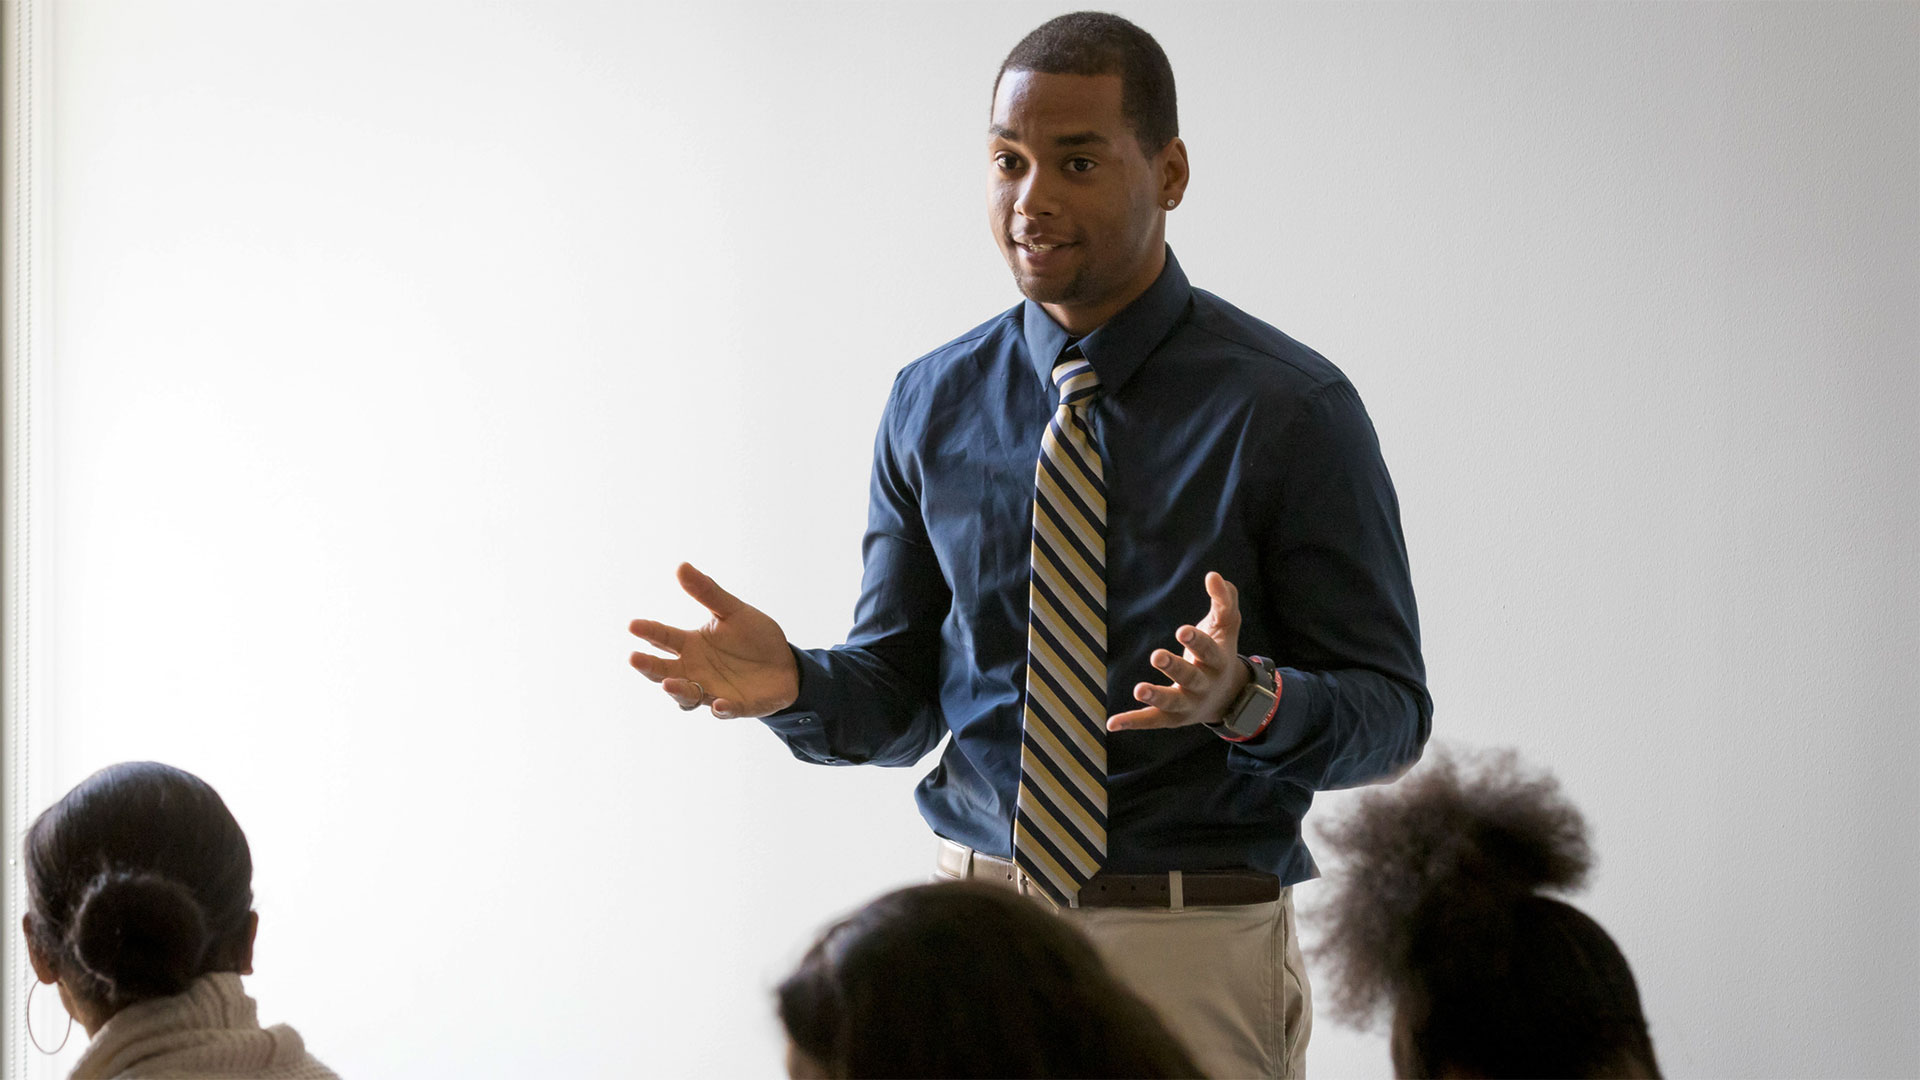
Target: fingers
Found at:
670, 638
655, 668
1175, 668
1226, 600
1166, 706
1168, 699
708, 592
1206, 652
1142, 719
671, 675
686, 693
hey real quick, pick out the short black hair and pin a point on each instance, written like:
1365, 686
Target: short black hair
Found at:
1095, 43
1437, 911
969, 979
139, 881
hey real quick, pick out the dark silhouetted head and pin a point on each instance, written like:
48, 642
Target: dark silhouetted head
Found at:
967, 980
138, 882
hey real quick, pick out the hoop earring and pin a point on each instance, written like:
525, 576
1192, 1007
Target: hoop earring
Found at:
31, 987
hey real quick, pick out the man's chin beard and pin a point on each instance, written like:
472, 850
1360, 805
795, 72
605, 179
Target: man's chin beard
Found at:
1058, 293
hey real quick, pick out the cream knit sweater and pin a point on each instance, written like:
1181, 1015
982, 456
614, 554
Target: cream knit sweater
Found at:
211, 1030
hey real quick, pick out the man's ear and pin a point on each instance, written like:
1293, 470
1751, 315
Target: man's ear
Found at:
42, 964
246, 954
1171, 164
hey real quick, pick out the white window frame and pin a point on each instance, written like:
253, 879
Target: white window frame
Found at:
25, 356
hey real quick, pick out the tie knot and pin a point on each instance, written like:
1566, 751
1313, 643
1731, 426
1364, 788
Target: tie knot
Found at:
1076, 378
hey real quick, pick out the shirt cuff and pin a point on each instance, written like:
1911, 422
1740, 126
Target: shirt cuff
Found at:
1291, 711
804, 713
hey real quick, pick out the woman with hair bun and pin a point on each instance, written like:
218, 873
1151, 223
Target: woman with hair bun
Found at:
1437, 914
140, 906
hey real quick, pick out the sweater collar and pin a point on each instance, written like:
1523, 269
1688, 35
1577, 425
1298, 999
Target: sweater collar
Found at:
212, 1027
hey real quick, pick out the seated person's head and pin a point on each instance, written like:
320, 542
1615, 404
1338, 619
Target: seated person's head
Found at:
138, 882
1437, 914
966, 980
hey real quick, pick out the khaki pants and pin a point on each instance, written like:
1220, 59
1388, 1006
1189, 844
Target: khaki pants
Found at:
1228, 981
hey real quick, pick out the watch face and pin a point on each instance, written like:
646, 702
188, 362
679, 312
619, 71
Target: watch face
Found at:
1252, 713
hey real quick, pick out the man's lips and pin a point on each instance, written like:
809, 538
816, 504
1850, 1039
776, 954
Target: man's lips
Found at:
1041, 252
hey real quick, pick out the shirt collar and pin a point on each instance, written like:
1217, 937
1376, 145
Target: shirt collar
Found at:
1118, 347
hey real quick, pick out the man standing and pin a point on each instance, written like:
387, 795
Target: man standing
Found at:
1053, 494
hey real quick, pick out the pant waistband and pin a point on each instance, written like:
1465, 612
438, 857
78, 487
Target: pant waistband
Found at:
1173, 890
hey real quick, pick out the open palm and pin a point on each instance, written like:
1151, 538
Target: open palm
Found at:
738, 663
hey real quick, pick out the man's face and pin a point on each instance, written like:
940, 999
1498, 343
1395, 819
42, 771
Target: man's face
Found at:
1074, 202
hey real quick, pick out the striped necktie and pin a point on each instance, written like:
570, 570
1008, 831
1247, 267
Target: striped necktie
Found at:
1060, 820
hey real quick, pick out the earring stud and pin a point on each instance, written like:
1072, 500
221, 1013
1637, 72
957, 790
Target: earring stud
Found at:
1169, 204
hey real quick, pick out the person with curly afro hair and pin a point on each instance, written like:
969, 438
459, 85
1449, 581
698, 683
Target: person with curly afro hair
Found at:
1439, 915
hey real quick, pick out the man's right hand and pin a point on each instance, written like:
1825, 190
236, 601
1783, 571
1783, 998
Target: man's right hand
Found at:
738, 664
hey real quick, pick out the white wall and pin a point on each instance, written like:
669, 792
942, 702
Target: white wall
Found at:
401, 349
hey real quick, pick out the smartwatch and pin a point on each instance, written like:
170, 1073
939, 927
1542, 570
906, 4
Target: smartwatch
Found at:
1253, 710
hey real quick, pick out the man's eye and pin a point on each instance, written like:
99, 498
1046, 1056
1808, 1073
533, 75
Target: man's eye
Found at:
1006, 161
1080, 164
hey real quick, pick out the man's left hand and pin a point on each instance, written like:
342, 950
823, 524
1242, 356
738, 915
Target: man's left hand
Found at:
1206, 677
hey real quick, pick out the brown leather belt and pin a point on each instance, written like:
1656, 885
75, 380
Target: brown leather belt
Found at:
1198, 888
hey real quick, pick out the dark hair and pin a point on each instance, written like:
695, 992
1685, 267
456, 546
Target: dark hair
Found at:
138, 882
1437, 911
967, 979
1095, 43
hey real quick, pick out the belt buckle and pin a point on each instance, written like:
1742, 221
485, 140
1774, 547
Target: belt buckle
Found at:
1025, 885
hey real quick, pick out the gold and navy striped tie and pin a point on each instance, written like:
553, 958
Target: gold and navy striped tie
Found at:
1060, 820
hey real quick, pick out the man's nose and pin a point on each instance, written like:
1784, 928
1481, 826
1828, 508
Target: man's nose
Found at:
1037, 198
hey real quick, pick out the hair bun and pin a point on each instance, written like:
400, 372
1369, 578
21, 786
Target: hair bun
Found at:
1497, 828
139, 934
1447, 854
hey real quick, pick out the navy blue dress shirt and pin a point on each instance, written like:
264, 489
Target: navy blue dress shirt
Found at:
1228, 446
